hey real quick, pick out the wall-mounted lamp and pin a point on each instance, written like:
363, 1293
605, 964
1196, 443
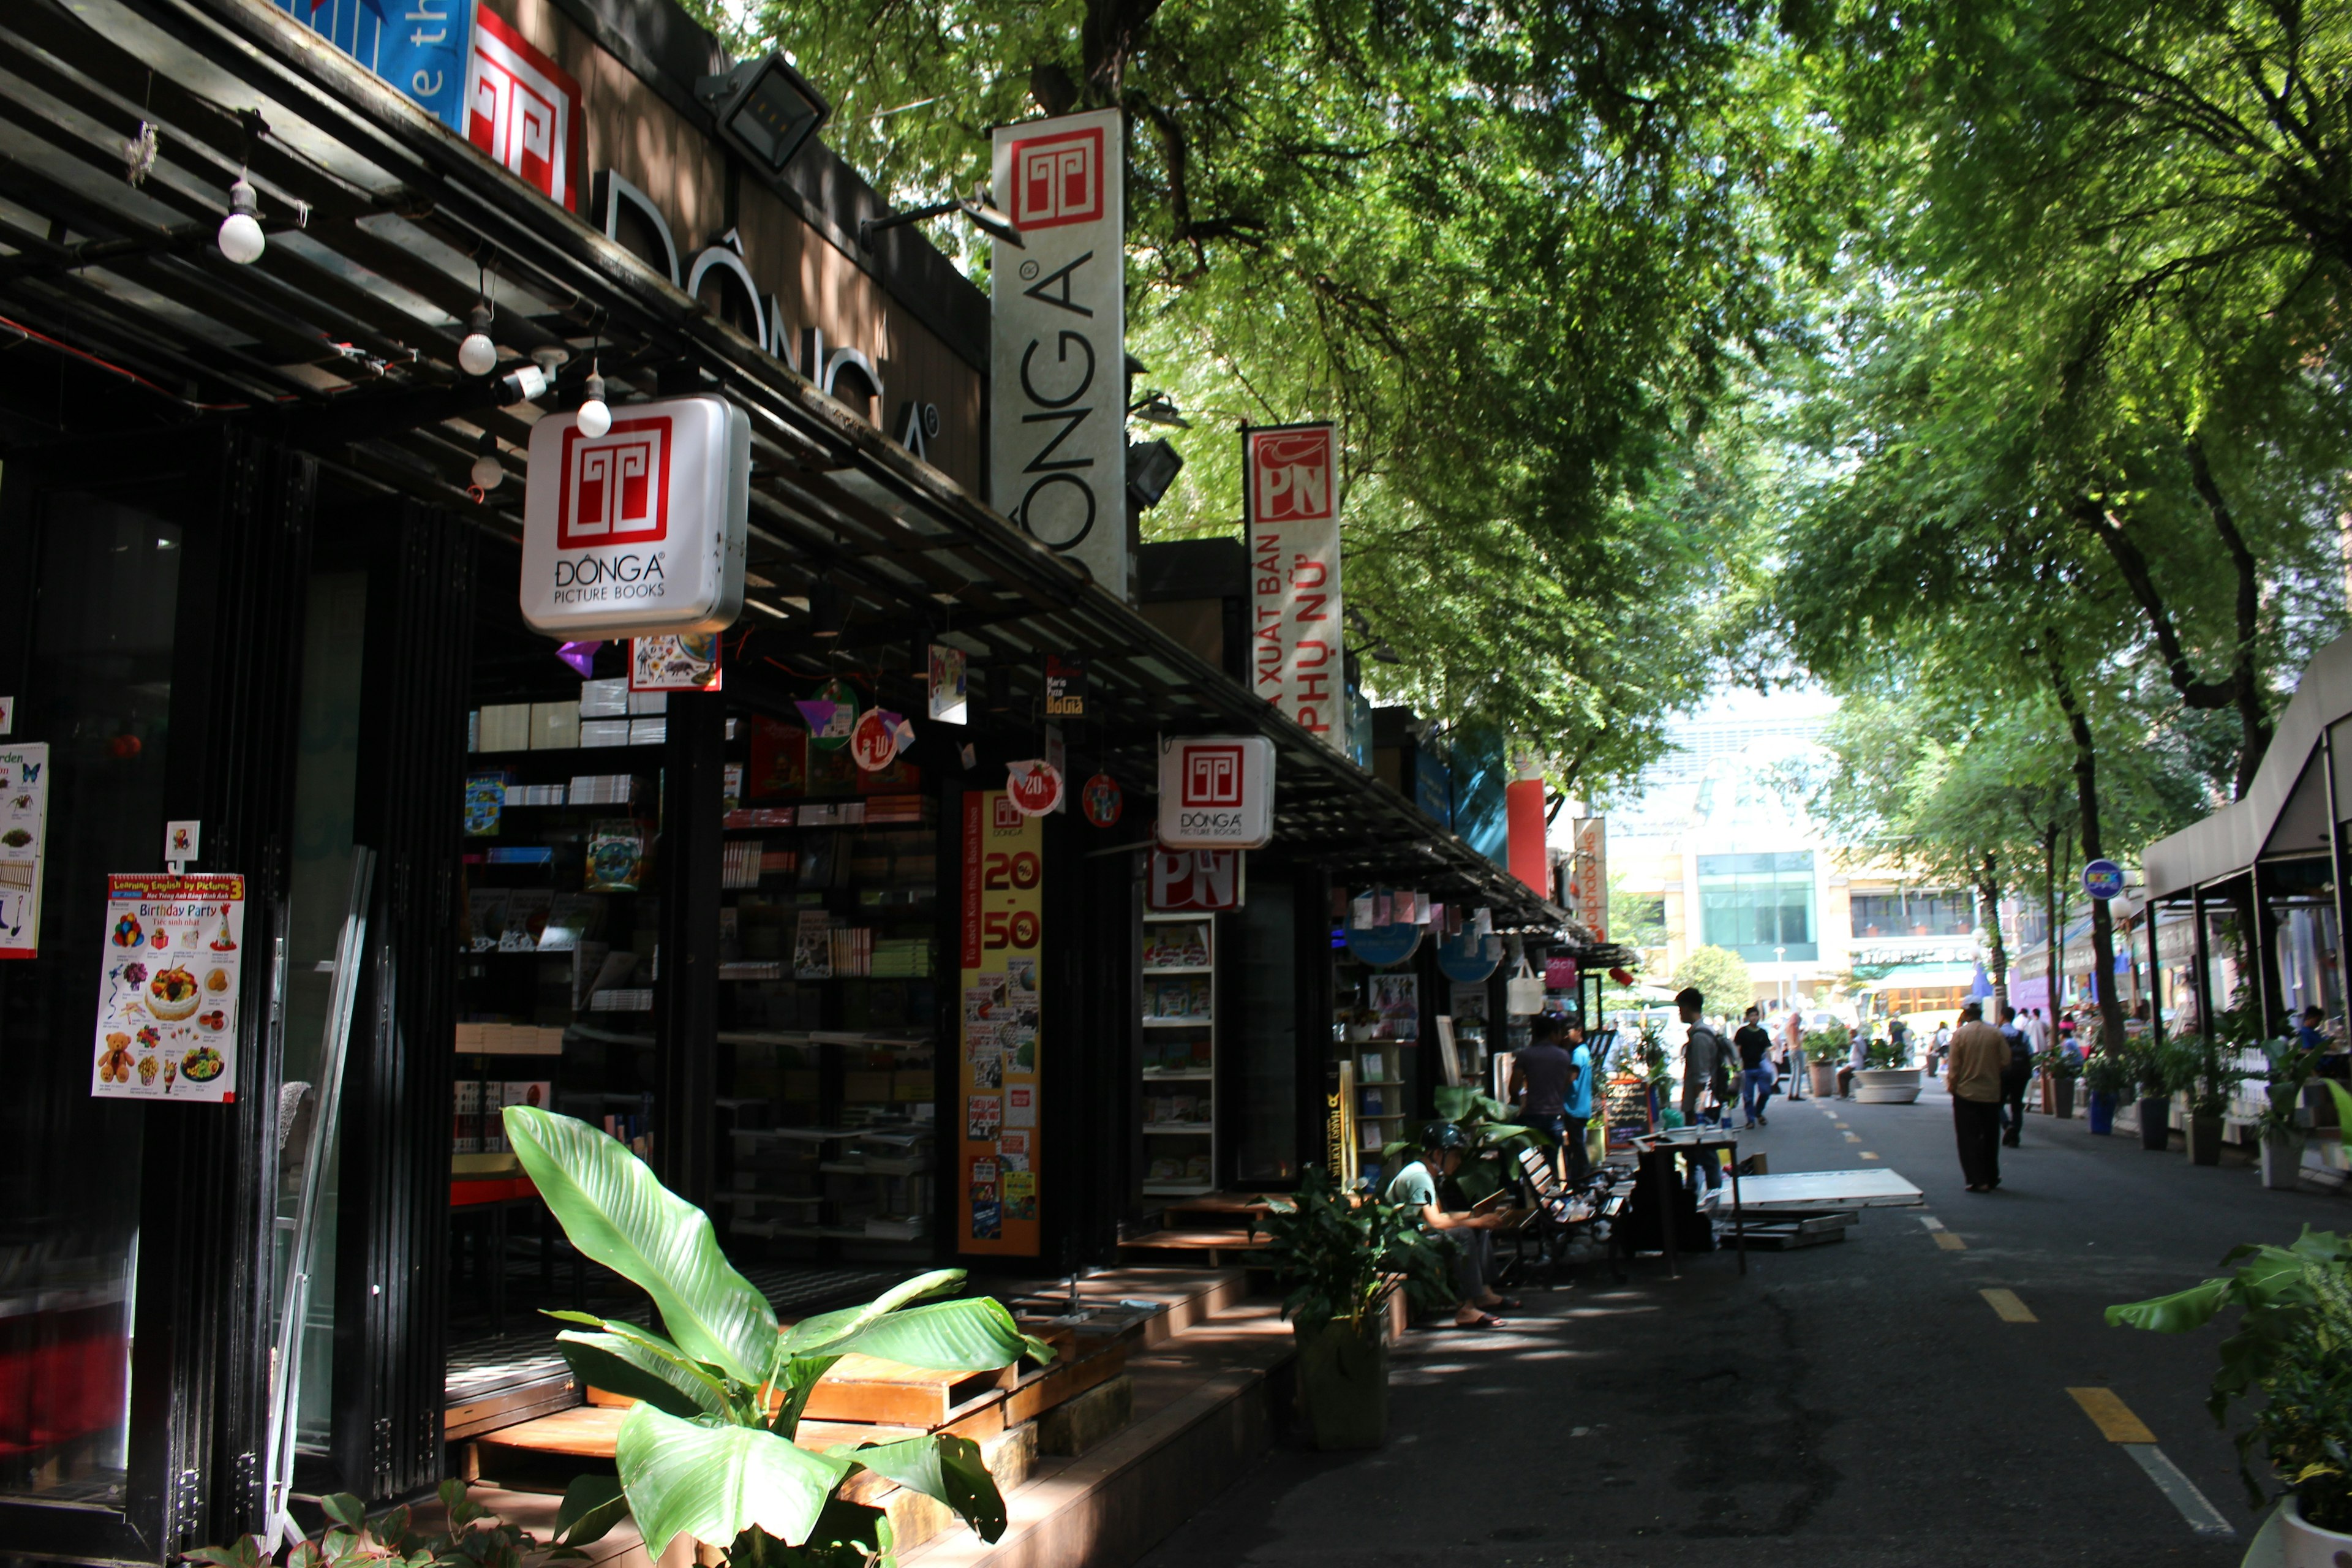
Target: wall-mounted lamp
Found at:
1151, 468
1159, 409
766, 107
988, 220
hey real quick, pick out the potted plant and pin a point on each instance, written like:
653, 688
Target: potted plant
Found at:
2107, 1078
2282, 1128
2290, 1348
1491, 1161
1825, 1050
708, 1450
348, 1538
1888, 1080
2205, 1069
1337, 1260
2060, 1068
2152, 1068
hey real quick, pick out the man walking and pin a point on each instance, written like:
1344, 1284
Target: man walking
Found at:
1792, 1035
1705, 1057
1978, 1054
1539, 1080
2015, 1076
1757, 1078
1577, 1113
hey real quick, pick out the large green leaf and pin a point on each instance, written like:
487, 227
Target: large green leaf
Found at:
813, 1336
970, 1335
948, 1468
714, 1482
619, 1365
591, 1505
2174, 1314
615, 1212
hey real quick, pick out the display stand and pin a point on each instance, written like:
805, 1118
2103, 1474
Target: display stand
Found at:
1180, 1054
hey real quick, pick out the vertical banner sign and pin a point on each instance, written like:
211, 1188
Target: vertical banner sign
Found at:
1290, 492
24, 830
421, 46
523, 110
997, 1076
167, 990
1588, 877
1057, 356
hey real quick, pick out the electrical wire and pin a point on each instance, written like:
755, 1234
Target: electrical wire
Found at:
129, 375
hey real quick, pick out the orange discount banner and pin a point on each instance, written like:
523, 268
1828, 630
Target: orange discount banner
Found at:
998, 1081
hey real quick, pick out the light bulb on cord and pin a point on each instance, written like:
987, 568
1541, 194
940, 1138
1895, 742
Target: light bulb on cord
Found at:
596, 415
488, 470
241, 239
476, 355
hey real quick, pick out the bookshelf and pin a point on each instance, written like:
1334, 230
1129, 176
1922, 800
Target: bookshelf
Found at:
1180, 1054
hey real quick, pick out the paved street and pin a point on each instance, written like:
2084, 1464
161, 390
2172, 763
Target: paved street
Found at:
1853, 1404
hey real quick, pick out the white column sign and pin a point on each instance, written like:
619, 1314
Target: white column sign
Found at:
1290, 492
1057, 358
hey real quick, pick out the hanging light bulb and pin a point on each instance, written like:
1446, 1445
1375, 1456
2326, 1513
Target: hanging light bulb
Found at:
488, 470
476, 355
595, 416
241, 239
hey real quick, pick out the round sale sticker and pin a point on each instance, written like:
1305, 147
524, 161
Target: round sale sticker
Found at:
1101, 800
2103, 879
874, 741
1036, 786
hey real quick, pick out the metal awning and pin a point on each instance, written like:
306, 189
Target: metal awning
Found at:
2284, 813
345, 335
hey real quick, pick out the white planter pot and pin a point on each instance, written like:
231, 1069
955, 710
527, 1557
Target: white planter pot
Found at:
1886, 1086
2282, 1163
2307, 1546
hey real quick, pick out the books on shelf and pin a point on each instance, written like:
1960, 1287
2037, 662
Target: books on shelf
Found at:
760, 817
739, 863
510, 1040
1178, 1001
1368, 1066
634, 999
604, 789
1175, 944
533, 794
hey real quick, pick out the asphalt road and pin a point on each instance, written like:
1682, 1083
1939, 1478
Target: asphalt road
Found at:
1861, 1403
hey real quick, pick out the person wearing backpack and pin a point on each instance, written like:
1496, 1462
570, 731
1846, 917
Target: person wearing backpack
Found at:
1706, 1067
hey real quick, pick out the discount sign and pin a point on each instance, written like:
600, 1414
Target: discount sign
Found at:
998, 1081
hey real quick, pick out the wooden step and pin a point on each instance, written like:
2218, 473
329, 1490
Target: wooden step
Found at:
1218, 1246
590, 1431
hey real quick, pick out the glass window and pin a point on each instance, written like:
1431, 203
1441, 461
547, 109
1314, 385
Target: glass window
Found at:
99, 694
1758, 906
1907, 913
1263, 1119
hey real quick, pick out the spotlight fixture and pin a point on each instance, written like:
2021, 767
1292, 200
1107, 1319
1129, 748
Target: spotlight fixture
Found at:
476, 355
1151, 468
241, 239
766, 107
596, 415
488, 470
1159, 409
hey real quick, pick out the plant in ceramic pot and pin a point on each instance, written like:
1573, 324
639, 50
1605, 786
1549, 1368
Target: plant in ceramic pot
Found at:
1826, 1050
2152, 1066
1337, 1260
2293, 1347
2107, 1077
2282, 1127
2206, 1070
1490, 1160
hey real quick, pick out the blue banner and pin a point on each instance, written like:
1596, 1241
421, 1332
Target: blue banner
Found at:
421, 46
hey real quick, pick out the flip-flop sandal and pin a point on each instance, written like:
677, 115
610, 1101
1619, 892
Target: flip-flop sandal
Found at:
1509, 1303
1482, 1320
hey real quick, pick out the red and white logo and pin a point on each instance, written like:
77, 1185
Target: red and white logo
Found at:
1212, 776
1034, 788
1058, 180
1008, 816
522, 109
615, 488
1290, 475
874, 742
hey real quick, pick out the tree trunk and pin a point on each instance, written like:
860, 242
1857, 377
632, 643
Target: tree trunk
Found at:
2053, 934
2064, 896
2086, 806
1988, 890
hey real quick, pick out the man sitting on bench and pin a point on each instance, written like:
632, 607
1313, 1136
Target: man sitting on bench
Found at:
1417, 1185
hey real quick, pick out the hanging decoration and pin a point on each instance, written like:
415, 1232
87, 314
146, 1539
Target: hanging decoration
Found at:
1102, 800
831, 715
581, 657
1033, 787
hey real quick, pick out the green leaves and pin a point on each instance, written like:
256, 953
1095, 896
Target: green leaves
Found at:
947, 1336
713, 1482
592, 1506
948, 1468
641, 1366
615, 1212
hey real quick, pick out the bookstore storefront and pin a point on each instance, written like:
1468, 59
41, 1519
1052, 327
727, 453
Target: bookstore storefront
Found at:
778, 929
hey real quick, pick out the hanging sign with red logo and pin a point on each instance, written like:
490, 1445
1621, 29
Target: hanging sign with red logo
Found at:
1290, 490
1216, 792
639, 531
874, 741
523, 110
1057, 354
1102, 800
1035, 786
1186, 881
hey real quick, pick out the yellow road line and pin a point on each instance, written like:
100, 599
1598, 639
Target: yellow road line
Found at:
1866, 1154
2010, 1308
1853, 1137
1837, 1124
1950, 1243
2112, 1416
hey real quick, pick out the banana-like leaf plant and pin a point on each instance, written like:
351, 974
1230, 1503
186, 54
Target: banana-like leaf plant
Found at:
1489, 1164
708, 1449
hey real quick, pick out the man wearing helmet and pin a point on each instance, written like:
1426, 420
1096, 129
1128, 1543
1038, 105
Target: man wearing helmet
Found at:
1419, 1185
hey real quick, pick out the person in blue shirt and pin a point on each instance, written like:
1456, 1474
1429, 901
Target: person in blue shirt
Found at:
1418, 1187
1577, 1112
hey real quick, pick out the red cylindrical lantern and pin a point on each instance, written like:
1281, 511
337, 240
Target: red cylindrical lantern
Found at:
1523, 817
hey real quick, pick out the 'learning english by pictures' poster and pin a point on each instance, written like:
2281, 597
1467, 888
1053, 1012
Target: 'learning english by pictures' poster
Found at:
169, 980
